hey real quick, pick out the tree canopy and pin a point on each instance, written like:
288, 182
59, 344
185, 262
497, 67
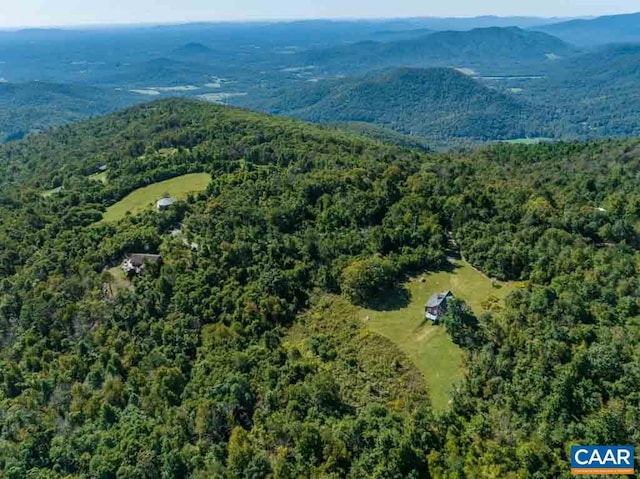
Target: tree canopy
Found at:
237, 358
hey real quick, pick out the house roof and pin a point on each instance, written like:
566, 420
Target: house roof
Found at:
437, 298
165, 202
138, 259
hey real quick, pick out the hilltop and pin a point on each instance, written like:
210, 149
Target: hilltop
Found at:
436, 103
193, 50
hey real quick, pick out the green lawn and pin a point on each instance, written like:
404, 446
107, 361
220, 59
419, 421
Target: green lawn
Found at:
146, 197
101, 177
120, 280
430, 347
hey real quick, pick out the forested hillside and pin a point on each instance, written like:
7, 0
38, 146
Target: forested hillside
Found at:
25, 107
597, 31
488, 50
237, 357
441, 104
597, 92
588, 95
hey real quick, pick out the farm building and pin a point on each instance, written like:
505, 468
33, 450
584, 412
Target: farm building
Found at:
134, 264
164, 203
437, 306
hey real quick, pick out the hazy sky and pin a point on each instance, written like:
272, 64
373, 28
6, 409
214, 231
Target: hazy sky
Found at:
68, 12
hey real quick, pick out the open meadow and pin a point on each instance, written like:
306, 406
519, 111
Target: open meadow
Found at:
144, 198
428, 346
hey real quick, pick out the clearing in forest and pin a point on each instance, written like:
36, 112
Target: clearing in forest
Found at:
144, 198
401, 319
118, 280
368, 367
101, 177
50, 193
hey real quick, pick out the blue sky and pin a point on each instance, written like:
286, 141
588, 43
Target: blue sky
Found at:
72, 12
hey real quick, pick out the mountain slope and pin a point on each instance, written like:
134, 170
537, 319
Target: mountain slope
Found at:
25, 107
490, 50
436, 103
213, 318
597, 91
479, 44
193, 50
607, 67
597, 31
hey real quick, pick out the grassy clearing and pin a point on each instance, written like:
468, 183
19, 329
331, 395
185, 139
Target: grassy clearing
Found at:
120, 280
220, 97
368, 367
146, 197
101, 177
430, 347
50, 193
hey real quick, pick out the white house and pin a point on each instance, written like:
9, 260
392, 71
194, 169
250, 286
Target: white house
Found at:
164, 203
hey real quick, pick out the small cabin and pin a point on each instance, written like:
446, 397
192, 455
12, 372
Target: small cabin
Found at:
134, 264
164, 203
437, 306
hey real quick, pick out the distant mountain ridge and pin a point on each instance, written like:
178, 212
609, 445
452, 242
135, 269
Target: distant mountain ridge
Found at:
485, 21
477, 44
597, 31
305, 68
482, 48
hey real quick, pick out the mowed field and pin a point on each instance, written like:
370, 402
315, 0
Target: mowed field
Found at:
430, 347
144, 198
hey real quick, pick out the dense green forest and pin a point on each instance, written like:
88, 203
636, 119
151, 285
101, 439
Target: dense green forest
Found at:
595, 93
239, 357
440, 104
33, 106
